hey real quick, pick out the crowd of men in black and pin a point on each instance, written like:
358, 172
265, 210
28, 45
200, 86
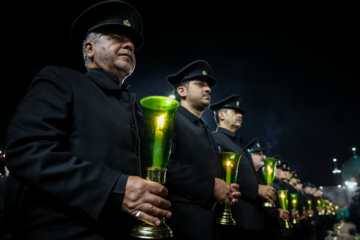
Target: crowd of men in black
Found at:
312, 218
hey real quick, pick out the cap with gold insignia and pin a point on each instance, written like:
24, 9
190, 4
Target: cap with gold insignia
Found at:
254, 146
233, 101
111, 15
284, 165
309, 184
198, 69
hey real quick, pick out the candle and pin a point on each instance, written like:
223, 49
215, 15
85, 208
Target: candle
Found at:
294, 205
158, 141
269, 174
228, 172
282, 196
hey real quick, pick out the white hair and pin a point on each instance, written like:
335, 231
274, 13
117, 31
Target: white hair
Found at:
91, 37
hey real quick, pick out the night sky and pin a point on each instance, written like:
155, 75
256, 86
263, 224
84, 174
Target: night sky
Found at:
296, 67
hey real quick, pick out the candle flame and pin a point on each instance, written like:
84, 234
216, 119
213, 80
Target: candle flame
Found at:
282, 195
269, 169
160, 122
228, 163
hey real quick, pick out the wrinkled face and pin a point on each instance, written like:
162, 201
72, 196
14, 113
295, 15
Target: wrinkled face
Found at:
232, 118
280, 174
113, 53
293, 182
309, 190
258, 159
198, 94
299, 187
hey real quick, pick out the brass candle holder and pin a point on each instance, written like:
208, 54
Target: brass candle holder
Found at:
319, 205
230, 162
310, 207
283, 200
294, 204
159, 115
269, 175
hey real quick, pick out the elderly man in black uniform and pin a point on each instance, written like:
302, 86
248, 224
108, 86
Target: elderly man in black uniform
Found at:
247, 212
74, 143
272, 215
194, 174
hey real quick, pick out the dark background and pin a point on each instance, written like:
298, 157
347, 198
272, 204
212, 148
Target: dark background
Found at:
295, 65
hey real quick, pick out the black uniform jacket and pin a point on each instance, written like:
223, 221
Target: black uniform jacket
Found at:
194, 163
73, 141
247, 211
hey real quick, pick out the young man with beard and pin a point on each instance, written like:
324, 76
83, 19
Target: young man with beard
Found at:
194, 168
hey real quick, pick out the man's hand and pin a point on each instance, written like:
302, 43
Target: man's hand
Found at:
295, 214
225, 194
268, 193
283, 214
141, 195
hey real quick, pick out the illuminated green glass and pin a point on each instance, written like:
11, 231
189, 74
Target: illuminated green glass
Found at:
319, 202
230, 162
269, 170
309, 203
159, 116
283, 199
294, 201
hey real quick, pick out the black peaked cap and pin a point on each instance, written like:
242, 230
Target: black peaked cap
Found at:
115, 16
233, 101
254, 146
198, 69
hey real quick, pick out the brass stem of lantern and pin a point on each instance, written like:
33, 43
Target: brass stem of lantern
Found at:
146, 231
226, 217
287, 224
156, 175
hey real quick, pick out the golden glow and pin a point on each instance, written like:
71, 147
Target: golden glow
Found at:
269, 169
160, 122
282, 195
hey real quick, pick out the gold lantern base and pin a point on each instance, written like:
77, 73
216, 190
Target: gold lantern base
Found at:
147, 231
226, 217
268, 204
288, 224
156, 175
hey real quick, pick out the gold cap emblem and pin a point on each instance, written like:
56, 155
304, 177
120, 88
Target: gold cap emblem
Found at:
237, 103
204, 72
126, 23
258, 144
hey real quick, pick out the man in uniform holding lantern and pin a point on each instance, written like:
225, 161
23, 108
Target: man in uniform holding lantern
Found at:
194, 168
272, 215
73, 146
247, 212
